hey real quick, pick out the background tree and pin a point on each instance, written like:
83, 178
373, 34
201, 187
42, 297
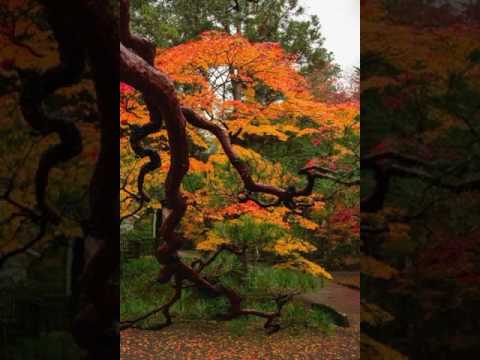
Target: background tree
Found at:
420, 179
279, 21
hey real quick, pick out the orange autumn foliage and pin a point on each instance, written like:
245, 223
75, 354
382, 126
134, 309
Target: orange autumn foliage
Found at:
236, 210
266, 86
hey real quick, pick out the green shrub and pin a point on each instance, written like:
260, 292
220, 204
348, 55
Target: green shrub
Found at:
264, 278
193, 306
138, 291
225, 263
295, 313
320, 319
298, 314
249, 232
139, 294
193, 182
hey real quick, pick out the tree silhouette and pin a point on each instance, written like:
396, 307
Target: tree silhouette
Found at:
86, 33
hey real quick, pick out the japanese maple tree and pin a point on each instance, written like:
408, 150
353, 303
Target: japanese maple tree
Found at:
231, 93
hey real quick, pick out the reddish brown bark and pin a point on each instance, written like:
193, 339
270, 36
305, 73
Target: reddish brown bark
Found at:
146, 50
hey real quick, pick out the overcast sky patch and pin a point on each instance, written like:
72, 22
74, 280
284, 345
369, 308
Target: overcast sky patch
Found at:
340, 20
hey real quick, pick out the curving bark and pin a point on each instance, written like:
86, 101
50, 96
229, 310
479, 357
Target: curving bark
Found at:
285, 196
85, 31
146, 50
100, 275
240, 166
38, 87
387, 164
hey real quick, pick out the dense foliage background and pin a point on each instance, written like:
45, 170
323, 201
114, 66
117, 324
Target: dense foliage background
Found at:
420, 106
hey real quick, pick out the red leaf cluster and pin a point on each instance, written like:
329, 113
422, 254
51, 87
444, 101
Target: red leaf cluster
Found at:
236, 210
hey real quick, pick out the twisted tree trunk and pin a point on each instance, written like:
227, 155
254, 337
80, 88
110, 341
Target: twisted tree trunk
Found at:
85, 31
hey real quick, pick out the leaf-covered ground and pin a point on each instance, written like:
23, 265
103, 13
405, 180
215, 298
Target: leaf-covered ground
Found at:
209, 340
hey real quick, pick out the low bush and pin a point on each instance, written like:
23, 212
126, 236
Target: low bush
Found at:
140, 294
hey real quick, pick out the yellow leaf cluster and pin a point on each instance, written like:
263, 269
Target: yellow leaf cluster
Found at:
212, 242
265, 130
307, 266
306, 223
289, 245
275, 217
